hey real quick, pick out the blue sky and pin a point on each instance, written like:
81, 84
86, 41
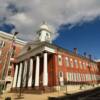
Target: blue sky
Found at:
83, 15
85, 37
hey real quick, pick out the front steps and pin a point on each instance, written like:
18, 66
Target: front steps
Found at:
39, 90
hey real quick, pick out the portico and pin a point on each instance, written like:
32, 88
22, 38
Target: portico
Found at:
31, 69
25, 76
42, 65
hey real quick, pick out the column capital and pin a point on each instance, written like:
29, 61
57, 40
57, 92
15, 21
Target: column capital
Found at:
55, 53
45, 51
39, 54
33, 57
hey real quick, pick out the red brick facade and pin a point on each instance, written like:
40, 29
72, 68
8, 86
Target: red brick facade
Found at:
63, 68
5, 50
18, 45
85, 71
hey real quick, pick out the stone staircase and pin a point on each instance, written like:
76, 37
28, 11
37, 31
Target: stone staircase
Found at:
39, 90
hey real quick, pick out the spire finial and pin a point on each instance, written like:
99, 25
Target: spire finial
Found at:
44, 22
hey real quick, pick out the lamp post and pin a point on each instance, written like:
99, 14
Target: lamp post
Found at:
7, 60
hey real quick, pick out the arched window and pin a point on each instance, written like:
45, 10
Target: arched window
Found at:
67, 61
76, 63
71, 62
60, 74
80, 64
59, 59
84, 65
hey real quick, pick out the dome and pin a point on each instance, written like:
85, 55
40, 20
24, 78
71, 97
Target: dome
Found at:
44, 26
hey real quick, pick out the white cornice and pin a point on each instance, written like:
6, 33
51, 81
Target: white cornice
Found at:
98, 60
9, 36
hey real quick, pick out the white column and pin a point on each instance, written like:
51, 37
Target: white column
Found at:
37, 71
19, 76
30, 73
15, 76
24, 73
45, 70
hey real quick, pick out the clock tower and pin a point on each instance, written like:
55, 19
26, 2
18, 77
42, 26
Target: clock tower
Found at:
44, 33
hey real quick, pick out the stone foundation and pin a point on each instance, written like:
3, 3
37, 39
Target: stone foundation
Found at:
40, 90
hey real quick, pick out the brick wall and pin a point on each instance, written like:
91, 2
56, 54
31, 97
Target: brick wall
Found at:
4, 53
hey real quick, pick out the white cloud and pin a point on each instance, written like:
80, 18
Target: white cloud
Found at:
30, 14
20, 18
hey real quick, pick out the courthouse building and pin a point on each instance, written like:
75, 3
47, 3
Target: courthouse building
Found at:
42, 65
9, 49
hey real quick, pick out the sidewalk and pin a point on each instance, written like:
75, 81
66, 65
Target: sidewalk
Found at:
32, 96
44, 96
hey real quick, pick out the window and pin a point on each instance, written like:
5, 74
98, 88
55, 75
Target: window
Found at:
80, 64
94, 76
28, 49
67, 76
96, 67
76, 63
87, 65
47, 37
92, 66
67, 61
60, 74
84, 65
86, 77
9, 72
79, 76
13, 52
74, 76
70, 77
71, 62
11, 64
2, 44
0, 52
59, 60
83, 77
89, 77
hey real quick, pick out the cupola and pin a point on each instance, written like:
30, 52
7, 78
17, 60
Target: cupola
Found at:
44, 33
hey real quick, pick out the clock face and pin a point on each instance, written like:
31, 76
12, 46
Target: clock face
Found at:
44, 35
47, 35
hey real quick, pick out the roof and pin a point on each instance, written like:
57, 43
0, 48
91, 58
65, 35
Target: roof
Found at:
10, 36
30, 44
36, 45
97, 60
44, 26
